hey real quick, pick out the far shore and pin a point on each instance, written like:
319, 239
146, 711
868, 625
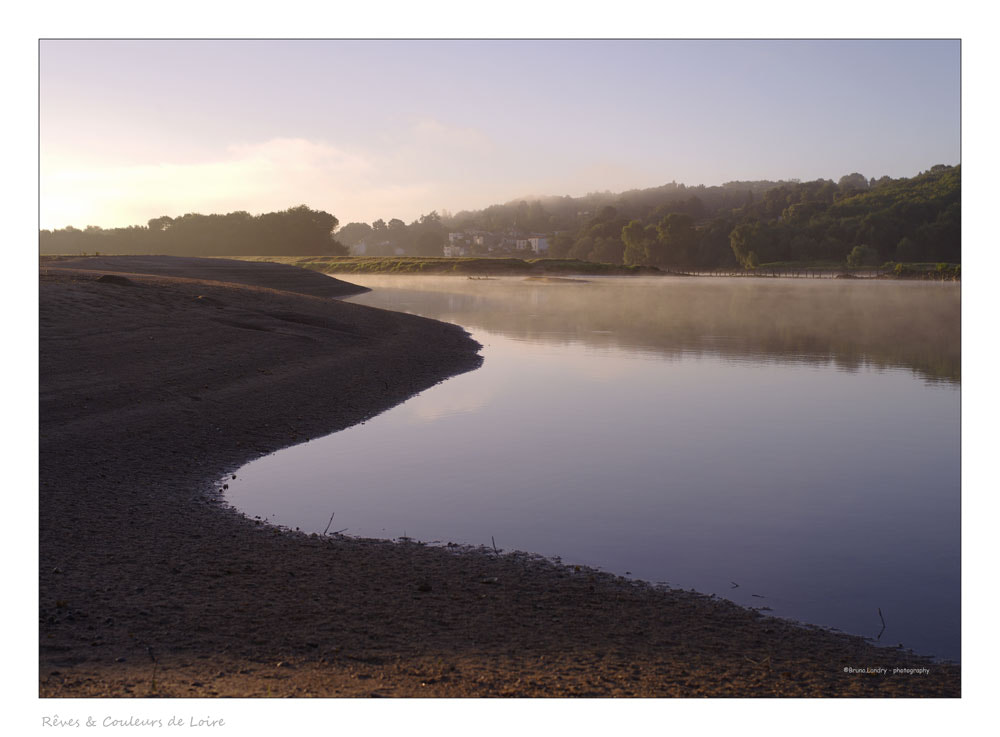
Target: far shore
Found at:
162, 376
542, 266
479, 267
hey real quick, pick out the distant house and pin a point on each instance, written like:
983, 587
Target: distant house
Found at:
536, 243
480, 241
455, 251
539, 243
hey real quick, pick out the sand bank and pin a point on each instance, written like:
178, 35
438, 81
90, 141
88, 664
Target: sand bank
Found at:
156, 384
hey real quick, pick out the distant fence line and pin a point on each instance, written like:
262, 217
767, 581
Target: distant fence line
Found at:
793, 273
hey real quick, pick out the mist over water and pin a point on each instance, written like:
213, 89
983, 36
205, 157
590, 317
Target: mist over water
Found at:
791, 444
851, 323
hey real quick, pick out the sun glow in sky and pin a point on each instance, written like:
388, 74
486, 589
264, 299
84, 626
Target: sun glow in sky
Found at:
131, 130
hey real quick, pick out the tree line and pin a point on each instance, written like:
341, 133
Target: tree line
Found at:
423, 237
917, 219
297, 231
857, 221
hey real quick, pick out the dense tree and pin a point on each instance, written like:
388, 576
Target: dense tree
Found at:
297, 231
714, 249
607, 250
353, 233
601, 238
637, 238
744, 240
863, 256
677, 241
398, 235
427, 236
853, 181
560, 245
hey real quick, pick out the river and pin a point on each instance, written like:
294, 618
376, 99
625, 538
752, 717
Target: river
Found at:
791, 445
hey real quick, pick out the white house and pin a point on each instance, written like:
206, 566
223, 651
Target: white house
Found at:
539, 243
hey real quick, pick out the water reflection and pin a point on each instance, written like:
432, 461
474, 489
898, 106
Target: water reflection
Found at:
690, 432
851, 323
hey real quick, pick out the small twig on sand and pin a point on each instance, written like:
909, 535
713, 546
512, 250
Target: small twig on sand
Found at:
149, 651
734, 585
330, 523
883, 624
495, 546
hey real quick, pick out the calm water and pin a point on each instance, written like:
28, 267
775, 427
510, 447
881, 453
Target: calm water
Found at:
798, 438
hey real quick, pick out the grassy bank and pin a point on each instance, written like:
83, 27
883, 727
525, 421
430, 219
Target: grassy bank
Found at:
889, 270
465, 266
936, 272
541, 267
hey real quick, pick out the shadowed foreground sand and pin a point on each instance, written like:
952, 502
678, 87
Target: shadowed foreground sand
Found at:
155, 386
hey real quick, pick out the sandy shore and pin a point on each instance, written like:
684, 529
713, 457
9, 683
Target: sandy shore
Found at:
154, 388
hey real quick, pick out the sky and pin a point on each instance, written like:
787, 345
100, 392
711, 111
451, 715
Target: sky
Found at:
366, 129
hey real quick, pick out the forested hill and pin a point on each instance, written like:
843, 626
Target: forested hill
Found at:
855, 220
298, 231
902, 220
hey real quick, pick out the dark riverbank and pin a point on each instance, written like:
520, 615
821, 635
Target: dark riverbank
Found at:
465, 266
541, 267
153, 388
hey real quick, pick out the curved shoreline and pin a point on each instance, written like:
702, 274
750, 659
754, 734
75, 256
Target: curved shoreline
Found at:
151, 391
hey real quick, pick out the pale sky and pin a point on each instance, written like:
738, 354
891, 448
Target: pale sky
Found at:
131, 130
